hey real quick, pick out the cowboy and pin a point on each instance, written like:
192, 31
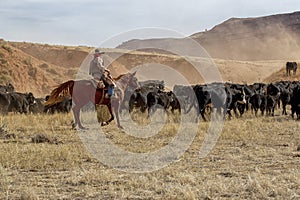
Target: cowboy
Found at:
100, 73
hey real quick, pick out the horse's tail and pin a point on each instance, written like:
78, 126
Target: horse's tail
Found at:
63, 90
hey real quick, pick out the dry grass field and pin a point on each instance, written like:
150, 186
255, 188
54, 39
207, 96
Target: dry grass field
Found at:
254, 158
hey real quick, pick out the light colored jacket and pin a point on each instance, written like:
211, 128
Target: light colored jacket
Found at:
96, 66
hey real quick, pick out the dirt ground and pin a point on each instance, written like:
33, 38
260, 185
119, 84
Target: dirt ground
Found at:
254, 158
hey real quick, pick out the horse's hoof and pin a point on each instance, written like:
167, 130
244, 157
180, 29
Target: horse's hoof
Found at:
82, 128
120, 127
73, 127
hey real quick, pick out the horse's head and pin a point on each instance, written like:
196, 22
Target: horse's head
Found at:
133, 82
128, 80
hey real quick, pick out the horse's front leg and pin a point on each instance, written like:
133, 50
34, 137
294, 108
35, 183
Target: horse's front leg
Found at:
116, 110
76, 113
75, 122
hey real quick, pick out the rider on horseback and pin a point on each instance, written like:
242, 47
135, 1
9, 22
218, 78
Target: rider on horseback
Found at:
100, 73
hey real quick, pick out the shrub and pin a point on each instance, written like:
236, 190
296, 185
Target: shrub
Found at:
4, 78
44, 138
3, 61
28, 61
52, 71
32, 72
44, 66
7, 48
4, 72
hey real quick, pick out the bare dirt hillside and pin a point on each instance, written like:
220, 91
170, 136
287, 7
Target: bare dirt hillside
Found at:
38, 68
64, 56
248, 72
230, 70
273, 37
28, 73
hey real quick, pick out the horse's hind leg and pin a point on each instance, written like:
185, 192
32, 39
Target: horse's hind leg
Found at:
75, 121
74, 124
111, 114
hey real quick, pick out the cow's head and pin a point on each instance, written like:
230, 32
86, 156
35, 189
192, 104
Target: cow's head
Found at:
30, 98
240, 96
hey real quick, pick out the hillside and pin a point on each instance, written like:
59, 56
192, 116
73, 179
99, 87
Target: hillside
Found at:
28, 73
275, 37
38, 68
64, 56
230, 70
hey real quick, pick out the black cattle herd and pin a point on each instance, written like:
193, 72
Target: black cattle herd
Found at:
17, 102
222, 97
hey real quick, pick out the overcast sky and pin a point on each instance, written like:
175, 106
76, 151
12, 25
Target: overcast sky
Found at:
91, 22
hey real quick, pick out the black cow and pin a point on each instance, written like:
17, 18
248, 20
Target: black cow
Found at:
271, 104
211, 96
237, 99
258, 88
203, 97
174, 102
256, 102
8, 88
263, 105
155, 99
247, 91
245, 94
285, 98
295, 102
4, 102
291, 66
20, 102
275, 91
186, 96
162, 99
38, 106
63, 106
138, 99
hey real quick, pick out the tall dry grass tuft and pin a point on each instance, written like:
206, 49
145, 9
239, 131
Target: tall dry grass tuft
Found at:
28, 195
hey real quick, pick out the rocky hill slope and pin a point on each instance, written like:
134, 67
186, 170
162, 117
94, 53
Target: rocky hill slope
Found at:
38, 68
275, 37
29, 73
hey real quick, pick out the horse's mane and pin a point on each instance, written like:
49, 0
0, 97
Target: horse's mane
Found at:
64, 89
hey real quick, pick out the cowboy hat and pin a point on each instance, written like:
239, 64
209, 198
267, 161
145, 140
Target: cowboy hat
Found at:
98, 51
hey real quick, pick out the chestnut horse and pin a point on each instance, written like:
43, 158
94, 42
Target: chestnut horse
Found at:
83, 92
